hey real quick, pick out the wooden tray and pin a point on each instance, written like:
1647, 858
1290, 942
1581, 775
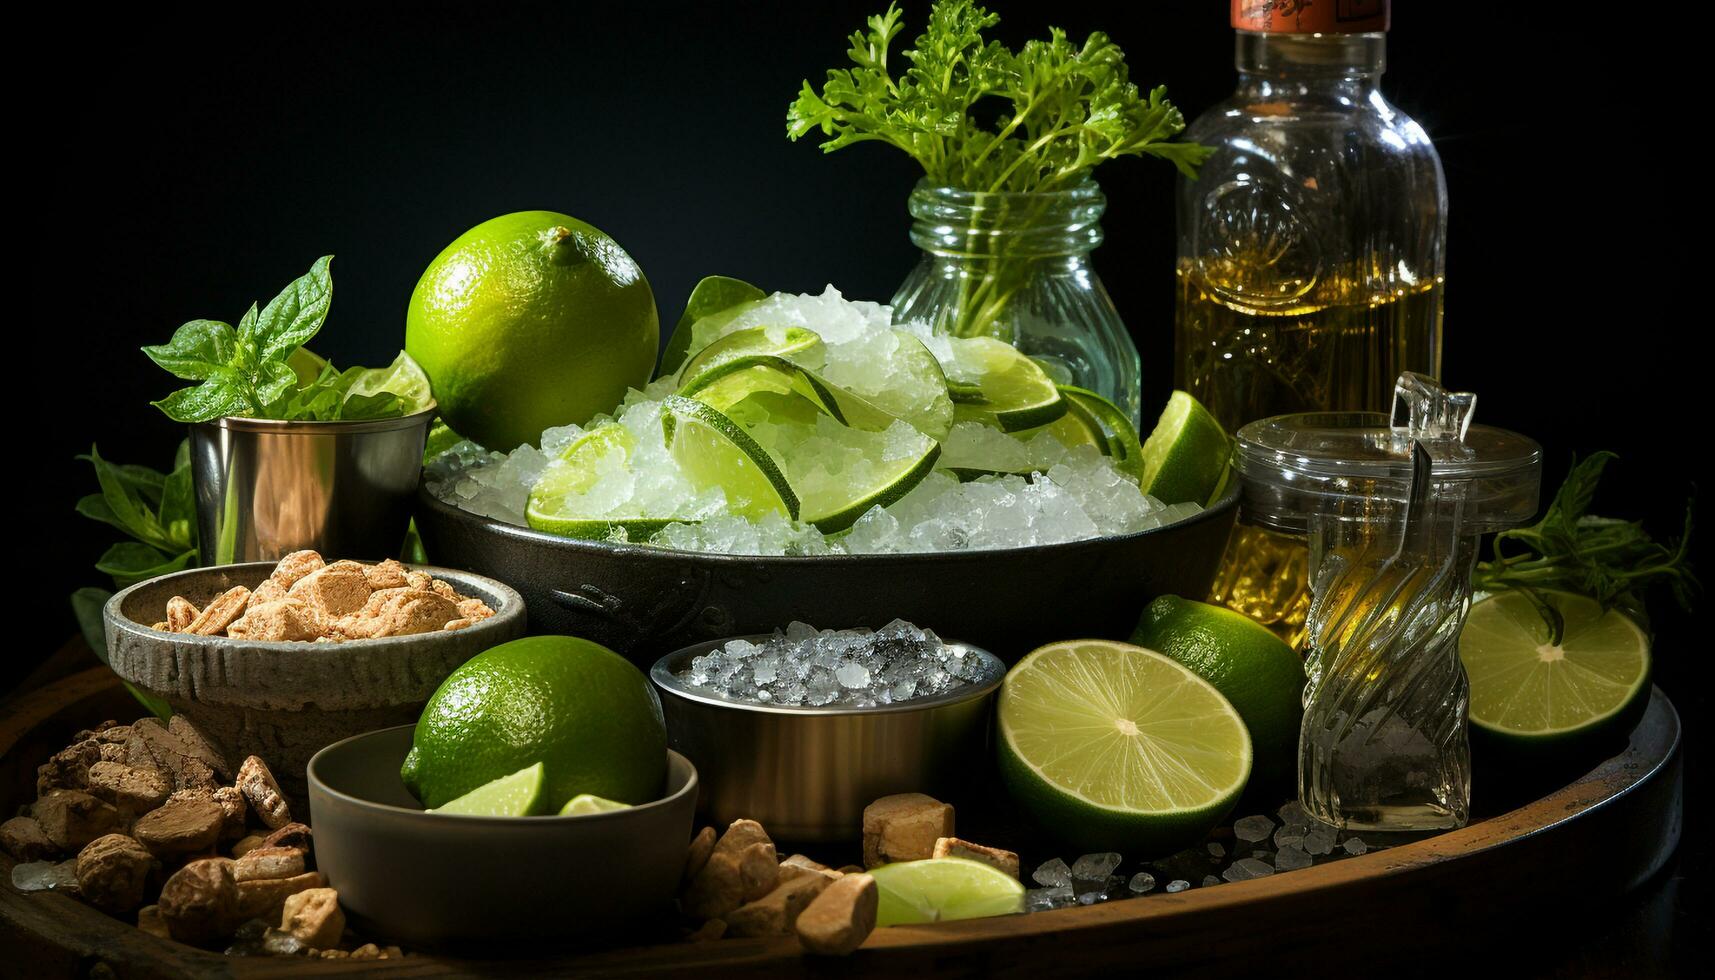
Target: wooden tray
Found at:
1588, 841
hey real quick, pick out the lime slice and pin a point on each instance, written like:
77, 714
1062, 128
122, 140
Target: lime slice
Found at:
761, 386
517, 795
1549, 697
403, 378
587, 803
716, 451
1185, 457
990, 380
710, 296
1120, 748
557, 505
1123, 445
441, 438
792, 343
839, 473
943, 889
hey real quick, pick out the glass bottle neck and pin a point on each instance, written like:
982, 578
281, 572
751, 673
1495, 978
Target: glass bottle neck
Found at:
1298, 67
957, 225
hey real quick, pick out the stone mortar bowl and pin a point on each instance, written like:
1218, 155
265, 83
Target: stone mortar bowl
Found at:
284, 701
644, 602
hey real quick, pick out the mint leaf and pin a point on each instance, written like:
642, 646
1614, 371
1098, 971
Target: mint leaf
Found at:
381, 405
293, 317
276, 380
199, 349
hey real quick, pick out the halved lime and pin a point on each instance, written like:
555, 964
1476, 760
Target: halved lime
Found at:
991, 380
943, 889
1119, 748
1185, 457
712, 295
839, 473
1546, 697
793, 343
517, 795
586, 803
716, 451
557, 505
403, 378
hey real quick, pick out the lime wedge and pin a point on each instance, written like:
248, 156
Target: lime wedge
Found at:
517, 795
1538, 695
1120, 748
557, 503
716, 451
792, 343
586, 803
1185, 457
710, 296
991, 381
403, 378
943, 889
1123, 445
839, 473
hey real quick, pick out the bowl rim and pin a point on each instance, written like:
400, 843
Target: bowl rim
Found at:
246, 423
512, 607
314, 783
1228, 500
661, 674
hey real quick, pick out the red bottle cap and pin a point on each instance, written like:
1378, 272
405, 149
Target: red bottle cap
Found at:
1311, 16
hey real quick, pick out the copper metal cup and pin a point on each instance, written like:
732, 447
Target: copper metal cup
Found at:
267, 488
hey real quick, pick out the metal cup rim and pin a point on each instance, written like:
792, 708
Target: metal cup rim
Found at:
241, 423
662, 674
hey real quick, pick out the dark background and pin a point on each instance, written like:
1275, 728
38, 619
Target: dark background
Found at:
213, 158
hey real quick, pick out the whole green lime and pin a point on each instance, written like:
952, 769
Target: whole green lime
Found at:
1250, 666
580, 709
531, 320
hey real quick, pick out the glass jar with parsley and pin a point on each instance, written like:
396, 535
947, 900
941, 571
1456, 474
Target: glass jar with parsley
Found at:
1007, 211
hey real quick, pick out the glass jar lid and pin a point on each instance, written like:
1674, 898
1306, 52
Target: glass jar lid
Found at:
1318, 463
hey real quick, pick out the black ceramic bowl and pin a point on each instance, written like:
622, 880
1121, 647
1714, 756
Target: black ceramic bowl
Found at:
644, 601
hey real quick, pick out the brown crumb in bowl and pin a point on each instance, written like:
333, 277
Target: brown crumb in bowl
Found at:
310, 600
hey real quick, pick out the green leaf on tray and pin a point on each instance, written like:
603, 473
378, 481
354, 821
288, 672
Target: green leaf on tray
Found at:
293, 317
130, 562
712, 295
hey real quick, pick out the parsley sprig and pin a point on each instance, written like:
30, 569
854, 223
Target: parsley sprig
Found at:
1064, 108
1612, 561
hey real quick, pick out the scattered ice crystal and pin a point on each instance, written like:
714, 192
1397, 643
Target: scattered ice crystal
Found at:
1293, 858
1059, 494
1292, 814
1210, 880
1290, 834
1141, 883
1053, 874
38, 876
1177, 885
1253, 828
805, 666
1044, 899
1355, 846
1320, 839
1217, 850
1246, 868
1095, 866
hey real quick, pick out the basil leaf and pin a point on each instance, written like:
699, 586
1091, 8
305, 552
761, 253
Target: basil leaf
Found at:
86, 604
247, 326
293, 317
277, 380
198, 350
94, 506
215, 398
130, 562
130, 513
178, 516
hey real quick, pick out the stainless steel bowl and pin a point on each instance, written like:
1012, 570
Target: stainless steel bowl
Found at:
807, 773
266, 488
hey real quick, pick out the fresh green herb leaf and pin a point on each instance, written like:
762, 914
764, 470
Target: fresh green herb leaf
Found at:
293, 317
1068, 107
199, 350
1612, 561
711, 295
130, 562
221, 395
124, 507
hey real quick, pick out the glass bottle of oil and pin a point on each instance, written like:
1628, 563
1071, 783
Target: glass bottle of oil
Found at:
1311, 252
